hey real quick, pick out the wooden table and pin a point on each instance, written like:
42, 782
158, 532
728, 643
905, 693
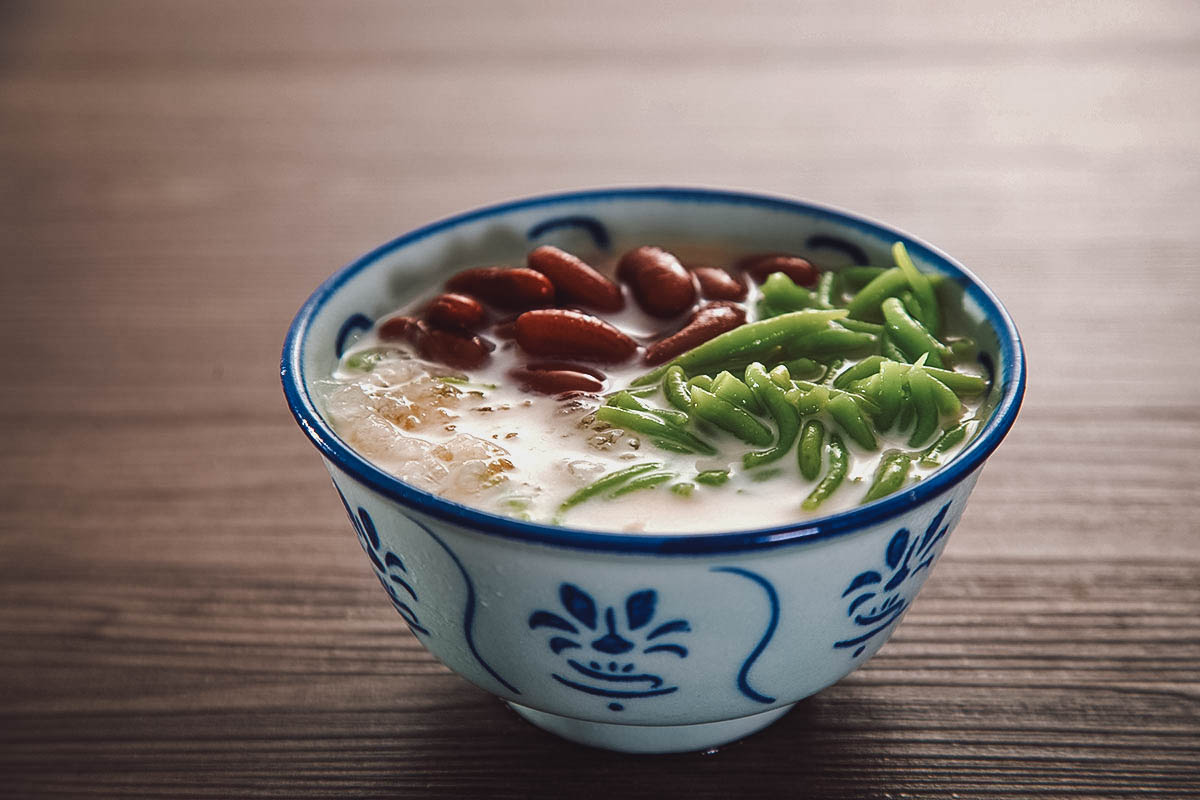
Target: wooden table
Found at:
183, 610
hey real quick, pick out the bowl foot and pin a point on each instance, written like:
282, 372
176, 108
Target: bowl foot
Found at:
650, 738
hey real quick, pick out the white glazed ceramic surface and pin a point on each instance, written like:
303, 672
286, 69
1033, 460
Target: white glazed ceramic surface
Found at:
639, 643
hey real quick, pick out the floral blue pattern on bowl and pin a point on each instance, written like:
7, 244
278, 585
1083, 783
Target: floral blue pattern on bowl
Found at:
619, 644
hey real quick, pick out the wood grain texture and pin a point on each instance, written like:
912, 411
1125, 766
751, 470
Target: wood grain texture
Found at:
183, 612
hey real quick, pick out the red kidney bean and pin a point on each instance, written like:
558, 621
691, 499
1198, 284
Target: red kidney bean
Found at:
515, 288
461, 351
717, 284
452, 349
661, 286
763, 264
570, 366
555, 381
708, 321
455, 311
505, 328
398, 328
559, 332
574, 280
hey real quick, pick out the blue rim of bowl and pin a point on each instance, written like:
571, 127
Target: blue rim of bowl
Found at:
803, 531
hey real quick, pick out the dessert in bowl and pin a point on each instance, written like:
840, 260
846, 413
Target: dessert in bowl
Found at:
653, 504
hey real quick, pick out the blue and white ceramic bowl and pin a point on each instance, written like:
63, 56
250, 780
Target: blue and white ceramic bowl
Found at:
641, 643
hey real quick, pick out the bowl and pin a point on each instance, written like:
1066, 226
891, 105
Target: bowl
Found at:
641, 642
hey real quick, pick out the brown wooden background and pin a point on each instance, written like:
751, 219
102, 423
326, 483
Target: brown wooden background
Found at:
183, 609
